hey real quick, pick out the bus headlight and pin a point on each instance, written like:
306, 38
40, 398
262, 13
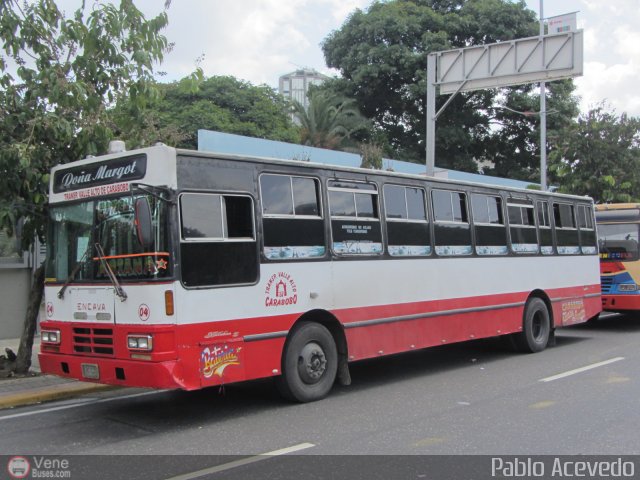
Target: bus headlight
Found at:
50, 336
627, 287
140, 342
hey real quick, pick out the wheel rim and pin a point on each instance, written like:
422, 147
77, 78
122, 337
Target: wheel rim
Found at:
312, 363
538, 326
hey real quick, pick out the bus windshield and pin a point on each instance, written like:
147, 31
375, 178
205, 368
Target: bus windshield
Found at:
618, 241
77, 230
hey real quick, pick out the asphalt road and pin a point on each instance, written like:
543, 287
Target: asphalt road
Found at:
580, 397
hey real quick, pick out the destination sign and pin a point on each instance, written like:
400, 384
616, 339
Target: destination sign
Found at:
100, 173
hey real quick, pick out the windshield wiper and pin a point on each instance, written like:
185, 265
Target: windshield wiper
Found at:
73, 273
112, 276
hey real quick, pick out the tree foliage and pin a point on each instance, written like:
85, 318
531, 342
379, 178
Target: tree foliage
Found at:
222, 103
513, 146
59, 77
381, 54
599, 156
329, 121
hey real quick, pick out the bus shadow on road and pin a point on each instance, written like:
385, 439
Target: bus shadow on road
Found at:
565, 338
433, 361
178, 409
255, 397
622, 323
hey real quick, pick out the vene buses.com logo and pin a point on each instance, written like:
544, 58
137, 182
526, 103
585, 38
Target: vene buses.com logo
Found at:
38, 467
18, 467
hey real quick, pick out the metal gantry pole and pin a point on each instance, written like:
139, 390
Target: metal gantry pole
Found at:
543, 117
431, 115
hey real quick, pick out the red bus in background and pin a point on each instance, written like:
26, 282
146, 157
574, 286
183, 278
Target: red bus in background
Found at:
618, 228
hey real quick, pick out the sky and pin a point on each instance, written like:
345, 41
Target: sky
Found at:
259, 40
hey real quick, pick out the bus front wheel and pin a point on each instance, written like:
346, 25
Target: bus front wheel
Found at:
309, 364
536, 327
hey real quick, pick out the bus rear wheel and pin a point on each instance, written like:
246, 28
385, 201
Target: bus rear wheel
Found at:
310, 363
536, 327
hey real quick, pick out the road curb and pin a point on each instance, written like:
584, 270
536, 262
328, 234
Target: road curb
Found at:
53, 392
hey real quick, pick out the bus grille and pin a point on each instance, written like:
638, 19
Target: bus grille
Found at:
606, 284
93, 341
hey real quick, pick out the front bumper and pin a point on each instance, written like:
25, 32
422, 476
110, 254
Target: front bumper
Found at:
113, 371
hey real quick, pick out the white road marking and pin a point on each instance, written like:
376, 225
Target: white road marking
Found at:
581, 369
75, 405
243, 461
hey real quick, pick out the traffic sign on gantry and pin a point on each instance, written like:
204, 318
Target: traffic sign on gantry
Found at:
513, 62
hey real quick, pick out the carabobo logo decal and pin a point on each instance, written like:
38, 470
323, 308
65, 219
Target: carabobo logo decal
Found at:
213, 361
281, 290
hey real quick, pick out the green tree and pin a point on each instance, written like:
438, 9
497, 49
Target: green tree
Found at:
223, 103
381, 54
59, 76
329, 121
599, 156
513, 146
141, 127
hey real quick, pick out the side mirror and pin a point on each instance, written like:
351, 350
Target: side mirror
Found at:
144, 227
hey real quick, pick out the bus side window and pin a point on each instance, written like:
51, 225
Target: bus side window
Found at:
488, 223
451, 223
407, 224
566, 231
355, 222
291, 217
522, 226
218, 245
544, 228
588, 240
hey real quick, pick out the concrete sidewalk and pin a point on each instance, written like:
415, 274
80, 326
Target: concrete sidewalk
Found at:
28, 390
14, 343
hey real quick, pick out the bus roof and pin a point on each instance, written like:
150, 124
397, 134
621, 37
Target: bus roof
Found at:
165, 152
618, 213
367, 171
617, 206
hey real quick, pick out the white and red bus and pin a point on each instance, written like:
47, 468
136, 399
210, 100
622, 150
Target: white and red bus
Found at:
170, 268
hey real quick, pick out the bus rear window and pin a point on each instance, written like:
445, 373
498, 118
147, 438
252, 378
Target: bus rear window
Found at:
618, 241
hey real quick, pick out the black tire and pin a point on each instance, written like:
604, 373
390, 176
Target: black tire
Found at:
536, 327
309, 363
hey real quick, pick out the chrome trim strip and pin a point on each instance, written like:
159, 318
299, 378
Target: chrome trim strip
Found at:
265, 336
416, 316
443, 313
